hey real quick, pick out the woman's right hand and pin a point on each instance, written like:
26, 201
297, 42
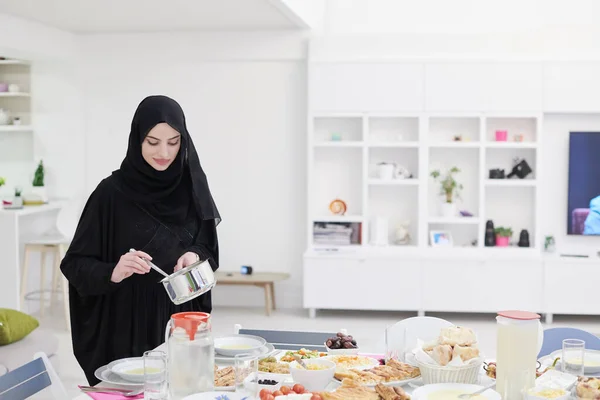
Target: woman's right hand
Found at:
129, 264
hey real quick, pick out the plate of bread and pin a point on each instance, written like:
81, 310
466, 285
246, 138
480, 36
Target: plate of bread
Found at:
392, 373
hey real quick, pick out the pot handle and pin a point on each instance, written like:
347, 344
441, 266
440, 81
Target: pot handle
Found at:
168, 328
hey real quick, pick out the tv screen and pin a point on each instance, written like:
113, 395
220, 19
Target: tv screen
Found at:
584, 184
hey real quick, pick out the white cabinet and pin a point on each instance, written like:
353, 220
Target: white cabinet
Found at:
351, 87
496, 87
572, 87
571, 287
361, 284
480, 286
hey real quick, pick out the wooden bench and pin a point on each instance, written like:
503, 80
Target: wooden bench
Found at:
266, 280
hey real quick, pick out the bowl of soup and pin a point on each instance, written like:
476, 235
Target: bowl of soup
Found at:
132, 369
230, 346
451, 391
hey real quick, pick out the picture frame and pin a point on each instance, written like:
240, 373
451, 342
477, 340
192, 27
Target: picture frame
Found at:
440, 238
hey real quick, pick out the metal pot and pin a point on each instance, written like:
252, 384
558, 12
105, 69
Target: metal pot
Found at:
190, 282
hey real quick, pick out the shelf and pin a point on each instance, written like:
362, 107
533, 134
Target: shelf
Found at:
395, 144
16, 128
342, 218
454, 145
511, 145
511, 182
12, 94
339, 144
454, 221
13, 62
394, 182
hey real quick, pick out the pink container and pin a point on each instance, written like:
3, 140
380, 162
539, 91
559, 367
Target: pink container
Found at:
501, 136
3, 87
502, 241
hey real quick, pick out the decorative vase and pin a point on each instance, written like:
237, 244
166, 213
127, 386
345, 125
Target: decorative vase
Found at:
501, 136
37, 195
502, 241
4, 118
386, 171
17, 201
448, 210
524, 238
490, 236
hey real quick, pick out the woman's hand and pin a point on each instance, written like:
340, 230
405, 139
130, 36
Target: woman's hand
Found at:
129, 264
186, 259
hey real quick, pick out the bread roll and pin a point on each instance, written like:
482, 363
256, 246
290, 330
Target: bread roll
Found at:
442, 354
466, 353
457, 335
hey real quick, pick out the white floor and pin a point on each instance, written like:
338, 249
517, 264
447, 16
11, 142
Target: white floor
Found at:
366, 326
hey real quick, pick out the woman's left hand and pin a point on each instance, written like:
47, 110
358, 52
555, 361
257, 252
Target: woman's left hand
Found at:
186, 259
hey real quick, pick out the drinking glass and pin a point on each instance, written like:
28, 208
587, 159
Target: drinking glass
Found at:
573, 351
246, 374
155, 375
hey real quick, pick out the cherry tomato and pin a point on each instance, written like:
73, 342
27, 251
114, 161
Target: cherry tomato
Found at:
316, 397
298, 388
269, 397
264, 392
285, 390
277, 393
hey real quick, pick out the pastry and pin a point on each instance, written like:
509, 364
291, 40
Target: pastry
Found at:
391, 393
350, 390
466, 353
442, 354
392, 372
405, 370
588, 388
457, 335
224, 377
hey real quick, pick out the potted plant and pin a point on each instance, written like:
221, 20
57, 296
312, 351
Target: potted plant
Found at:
2, 181
503, 236
449, 189
18, 200
38, 192
549, 244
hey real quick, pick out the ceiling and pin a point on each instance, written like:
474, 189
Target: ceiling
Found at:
106, 16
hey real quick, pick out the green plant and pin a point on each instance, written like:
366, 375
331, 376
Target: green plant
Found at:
38, 178
2, 181
449, 187
18, 192
503, 232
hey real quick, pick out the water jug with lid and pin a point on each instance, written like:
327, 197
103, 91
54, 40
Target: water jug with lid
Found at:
520, 337
191, 356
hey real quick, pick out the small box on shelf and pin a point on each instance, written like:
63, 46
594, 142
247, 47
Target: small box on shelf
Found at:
511, 130
457, 130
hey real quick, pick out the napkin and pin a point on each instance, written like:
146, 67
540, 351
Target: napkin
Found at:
113, 396
425, 358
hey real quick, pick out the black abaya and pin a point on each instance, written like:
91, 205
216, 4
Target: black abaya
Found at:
110, 320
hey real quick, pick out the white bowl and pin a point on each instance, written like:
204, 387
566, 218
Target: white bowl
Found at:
313, 380
532, 395
423, 392
337, 352
247, 382
130, 369
238, 344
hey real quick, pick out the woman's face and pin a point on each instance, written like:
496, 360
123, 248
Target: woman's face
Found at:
161, 145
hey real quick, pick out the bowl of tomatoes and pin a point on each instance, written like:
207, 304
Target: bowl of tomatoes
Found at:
288, 392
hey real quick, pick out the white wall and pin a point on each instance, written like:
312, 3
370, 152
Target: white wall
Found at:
244, 98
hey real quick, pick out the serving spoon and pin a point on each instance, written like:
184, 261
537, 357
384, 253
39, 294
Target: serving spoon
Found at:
152, 265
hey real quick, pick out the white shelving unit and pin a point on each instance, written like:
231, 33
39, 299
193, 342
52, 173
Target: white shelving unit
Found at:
344, 151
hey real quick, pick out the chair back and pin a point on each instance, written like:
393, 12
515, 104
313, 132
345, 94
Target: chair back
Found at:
30, 379
291, 340
554, 337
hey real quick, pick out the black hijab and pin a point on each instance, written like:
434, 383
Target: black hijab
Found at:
167, 195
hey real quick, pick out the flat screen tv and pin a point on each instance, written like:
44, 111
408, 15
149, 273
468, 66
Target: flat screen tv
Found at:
584, 184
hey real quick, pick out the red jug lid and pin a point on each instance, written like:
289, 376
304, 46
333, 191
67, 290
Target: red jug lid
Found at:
190, 321
519, 315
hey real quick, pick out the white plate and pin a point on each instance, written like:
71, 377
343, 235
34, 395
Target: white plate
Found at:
123, 366
218, 396
373, 362
264, 352
230, 346
391, 383
104, 374
591, 360
423, 393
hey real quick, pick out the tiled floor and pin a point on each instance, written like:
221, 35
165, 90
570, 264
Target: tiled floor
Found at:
366, 327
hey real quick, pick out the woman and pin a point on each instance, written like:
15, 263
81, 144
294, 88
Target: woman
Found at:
158, 203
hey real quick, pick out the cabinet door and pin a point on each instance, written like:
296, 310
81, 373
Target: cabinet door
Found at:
571, 287
572, 87
454, 87
477, 286
373, 284
362, 87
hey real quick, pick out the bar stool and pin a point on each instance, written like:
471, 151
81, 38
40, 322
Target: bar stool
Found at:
54, 243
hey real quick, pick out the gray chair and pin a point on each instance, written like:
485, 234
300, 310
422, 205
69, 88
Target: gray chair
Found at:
290, 340
30, 379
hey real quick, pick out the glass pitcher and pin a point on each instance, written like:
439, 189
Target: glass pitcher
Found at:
520, 336
191, 356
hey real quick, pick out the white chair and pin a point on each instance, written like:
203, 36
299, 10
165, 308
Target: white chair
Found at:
401, 338
30, 379
54, 243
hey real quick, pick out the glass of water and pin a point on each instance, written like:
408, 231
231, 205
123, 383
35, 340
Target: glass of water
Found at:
573, 351
246, 374
155, 375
